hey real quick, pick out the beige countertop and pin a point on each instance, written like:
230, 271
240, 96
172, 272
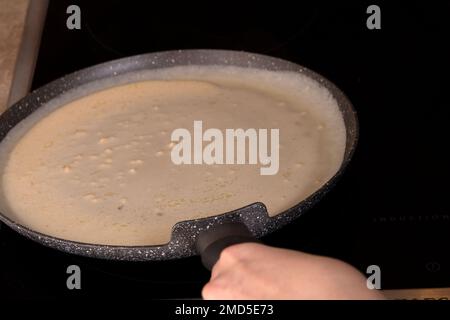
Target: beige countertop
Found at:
12, 18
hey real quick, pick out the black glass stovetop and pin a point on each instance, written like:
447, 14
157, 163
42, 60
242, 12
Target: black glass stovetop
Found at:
390, 209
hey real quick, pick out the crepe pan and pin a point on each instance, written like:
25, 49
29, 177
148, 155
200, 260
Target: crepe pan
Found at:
206, 236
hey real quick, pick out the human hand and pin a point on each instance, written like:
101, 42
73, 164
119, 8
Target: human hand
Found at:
256, 271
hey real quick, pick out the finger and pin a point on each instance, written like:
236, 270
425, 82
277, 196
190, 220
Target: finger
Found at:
216, 270
232, 255
221, 288
212, 290
245, 251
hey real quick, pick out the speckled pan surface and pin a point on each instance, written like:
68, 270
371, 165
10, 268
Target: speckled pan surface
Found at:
184, 234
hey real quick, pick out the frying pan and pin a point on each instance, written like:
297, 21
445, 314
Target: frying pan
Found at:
206, 236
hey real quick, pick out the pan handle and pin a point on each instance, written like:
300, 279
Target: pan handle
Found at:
211, 242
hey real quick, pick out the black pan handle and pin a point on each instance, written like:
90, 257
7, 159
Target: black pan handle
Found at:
211, 242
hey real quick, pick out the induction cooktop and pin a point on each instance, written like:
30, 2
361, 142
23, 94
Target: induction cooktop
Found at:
391, 207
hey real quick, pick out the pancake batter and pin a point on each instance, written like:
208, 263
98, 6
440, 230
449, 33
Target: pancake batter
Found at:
98, 169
